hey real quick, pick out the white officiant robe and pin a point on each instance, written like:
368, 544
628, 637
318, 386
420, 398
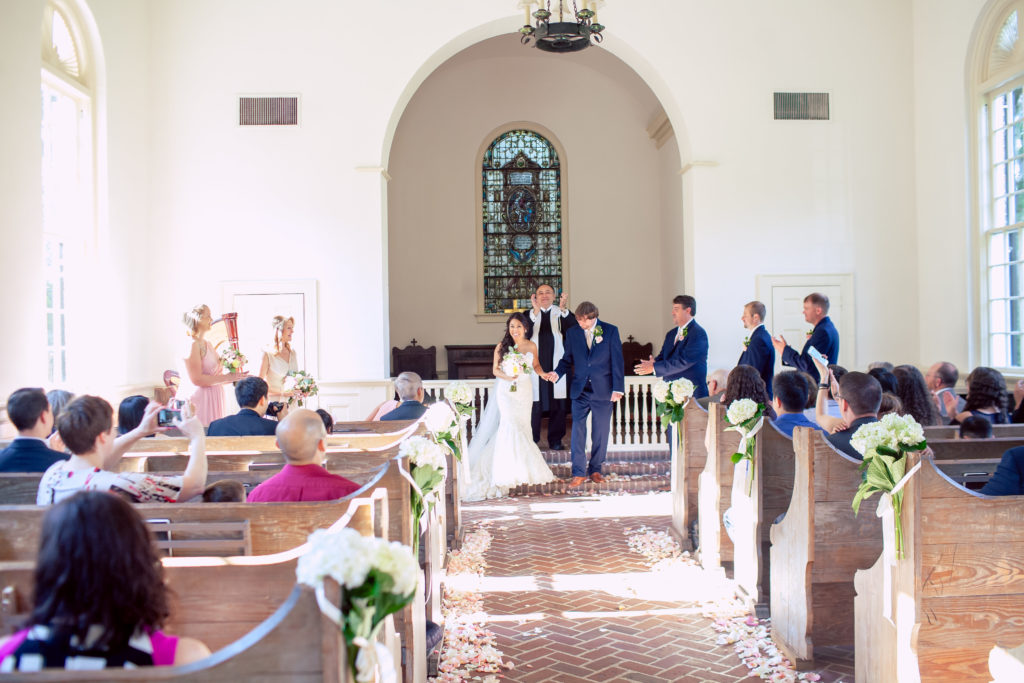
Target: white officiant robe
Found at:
555, 314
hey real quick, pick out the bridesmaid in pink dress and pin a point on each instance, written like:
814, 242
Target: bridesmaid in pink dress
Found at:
203, 378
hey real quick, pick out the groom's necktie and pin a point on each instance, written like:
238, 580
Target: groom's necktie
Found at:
590, 339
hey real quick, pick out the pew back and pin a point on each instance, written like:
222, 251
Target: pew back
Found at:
714, 494
687, 463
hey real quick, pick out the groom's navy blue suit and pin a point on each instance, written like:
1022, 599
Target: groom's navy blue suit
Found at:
597, 373
686, 358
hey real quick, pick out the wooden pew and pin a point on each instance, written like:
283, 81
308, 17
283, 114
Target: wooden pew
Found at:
752, 515
958, 592
249, 611
953, 431
817, 548
687, 464
714, 493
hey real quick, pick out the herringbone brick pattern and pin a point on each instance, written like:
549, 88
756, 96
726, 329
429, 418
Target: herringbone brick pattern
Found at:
570, 602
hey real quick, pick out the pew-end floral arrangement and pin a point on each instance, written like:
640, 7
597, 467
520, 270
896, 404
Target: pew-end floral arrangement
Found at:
885, 445
443, 425
428, 468
231, 359
377, 579
460, 395
302, 385
670, 400
746, 416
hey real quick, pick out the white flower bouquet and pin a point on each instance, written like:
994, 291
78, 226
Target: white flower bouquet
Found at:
745, 416
232, 359
884, 445
514, 363
671, 397
378, 578
460, 395
443, 425
428, 468
302, 385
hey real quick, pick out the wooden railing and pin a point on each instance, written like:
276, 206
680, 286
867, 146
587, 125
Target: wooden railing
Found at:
635, 426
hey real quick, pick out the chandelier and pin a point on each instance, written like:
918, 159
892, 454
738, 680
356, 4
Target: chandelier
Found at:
559, 28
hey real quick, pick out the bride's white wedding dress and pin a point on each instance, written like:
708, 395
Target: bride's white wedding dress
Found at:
502, 454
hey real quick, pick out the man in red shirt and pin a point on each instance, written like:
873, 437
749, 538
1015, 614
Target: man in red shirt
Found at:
301, 437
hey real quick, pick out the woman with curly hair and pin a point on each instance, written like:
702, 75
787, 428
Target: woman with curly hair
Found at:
986, 397
99, 598
745, 382
914, 395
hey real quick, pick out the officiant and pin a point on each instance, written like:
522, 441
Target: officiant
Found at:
550, 323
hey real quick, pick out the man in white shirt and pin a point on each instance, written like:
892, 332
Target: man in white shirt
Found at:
550, 323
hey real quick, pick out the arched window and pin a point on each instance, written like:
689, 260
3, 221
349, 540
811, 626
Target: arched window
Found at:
68, 170
522, 219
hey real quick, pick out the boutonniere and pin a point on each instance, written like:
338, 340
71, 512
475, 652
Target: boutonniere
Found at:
598, 334
746, 342
810, 332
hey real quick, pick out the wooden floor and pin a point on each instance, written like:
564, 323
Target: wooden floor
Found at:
570, 602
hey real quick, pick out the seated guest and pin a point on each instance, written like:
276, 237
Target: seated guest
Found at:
886, 379
251, 394
410, 389
1008, 479
975, 428
716, 387
812, 395
30, 413
880, 365
58, 398
860, 395
326, 417
914, 395
99, 597
224, 491
302, 438
130, 413
986, 392
743, 382
87, 427
789, 400
941, 381
891, 403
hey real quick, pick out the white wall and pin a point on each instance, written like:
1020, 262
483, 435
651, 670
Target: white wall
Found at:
614, 196
878, 191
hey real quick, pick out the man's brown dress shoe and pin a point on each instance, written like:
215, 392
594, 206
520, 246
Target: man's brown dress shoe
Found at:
576, 481
597, 477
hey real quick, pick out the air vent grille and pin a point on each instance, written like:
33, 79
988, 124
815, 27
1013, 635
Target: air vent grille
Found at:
801, 106
268, 111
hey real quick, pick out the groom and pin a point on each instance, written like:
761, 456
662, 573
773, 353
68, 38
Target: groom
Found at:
594, 351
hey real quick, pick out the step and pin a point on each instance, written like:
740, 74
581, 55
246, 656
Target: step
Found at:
563, 470
553, 457
613, 483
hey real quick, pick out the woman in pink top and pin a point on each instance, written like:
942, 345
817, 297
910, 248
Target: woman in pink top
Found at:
202, 377
99, 595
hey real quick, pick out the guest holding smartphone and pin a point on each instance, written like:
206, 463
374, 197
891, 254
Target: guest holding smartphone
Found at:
202, 376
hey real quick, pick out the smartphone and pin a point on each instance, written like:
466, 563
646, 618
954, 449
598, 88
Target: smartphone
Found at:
274, 408
816, 355
166, 418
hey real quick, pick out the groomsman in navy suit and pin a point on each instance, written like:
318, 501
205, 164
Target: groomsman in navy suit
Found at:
824, 337
685, 351
758, 351
594, 351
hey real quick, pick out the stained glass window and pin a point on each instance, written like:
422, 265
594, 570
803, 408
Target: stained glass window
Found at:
522, 219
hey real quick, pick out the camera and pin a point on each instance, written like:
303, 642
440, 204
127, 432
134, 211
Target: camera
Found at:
274, 408
166, 418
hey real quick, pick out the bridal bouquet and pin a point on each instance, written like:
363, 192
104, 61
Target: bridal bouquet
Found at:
745, 416
884, 445
231, 359
377, 579
443, 425
302, 384
515, 364
428, 467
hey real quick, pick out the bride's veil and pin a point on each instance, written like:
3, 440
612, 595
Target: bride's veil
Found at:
486, 428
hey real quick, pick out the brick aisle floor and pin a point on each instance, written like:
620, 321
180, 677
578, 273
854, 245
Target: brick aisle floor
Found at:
570, 602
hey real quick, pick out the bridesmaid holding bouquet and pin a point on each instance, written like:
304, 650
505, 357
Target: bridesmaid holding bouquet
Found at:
202, 377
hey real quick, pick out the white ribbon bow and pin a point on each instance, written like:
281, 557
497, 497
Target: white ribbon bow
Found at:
746, 436
887, 512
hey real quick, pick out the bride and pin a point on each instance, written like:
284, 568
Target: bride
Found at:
502, 454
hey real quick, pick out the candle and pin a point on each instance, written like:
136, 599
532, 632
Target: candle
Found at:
528, 13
